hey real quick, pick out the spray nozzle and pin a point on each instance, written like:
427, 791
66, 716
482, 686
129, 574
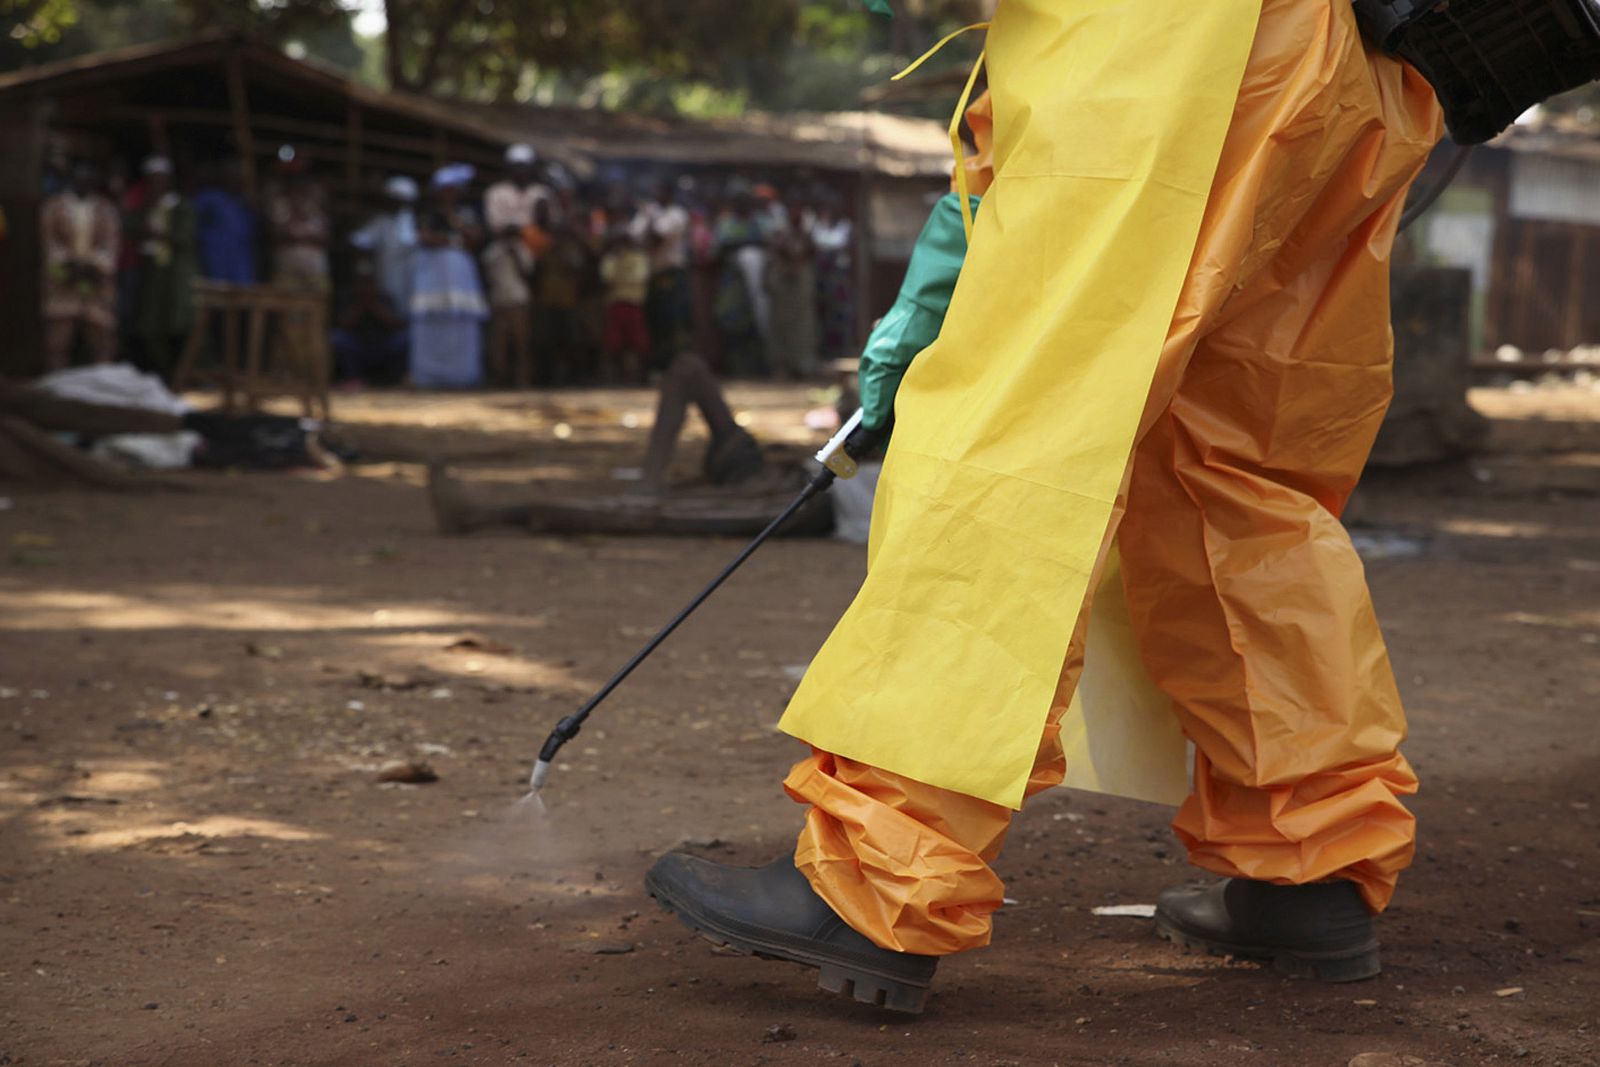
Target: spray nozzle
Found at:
541, 771
565, 731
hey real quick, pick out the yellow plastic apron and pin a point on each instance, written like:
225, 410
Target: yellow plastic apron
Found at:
1013, 430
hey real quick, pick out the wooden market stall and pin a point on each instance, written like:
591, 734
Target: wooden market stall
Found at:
208, 98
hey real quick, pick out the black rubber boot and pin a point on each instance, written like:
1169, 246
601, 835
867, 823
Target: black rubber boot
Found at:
1320, 931
773, 912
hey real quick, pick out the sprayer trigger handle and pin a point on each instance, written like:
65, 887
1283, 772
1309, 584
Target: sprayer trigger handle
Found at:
834, 455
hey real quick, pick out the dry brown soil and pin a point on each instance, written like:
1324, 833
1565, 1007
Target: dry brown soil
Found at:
199, 866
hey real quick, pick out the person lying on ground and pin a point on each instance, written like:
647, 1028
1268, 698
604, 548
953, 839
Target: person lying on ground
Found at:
739, 496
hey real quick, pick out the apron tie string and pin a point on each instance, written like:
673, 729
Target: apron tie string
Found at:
956, 147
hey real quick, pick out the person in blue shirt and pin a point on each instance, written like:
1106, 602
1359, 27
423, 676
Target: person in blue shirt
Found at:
225, 227
390, 238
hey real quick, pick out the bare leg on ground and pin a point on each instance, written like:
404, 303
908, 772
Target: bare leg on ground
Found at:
733, 454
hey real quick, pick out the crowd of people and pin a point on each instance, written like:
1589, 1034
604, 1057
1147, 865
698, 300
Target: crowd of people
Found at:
121, 255
540, 280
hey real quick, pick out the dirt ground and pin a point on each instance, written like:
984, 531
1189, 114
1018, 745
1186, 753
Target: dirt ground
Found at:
198, 864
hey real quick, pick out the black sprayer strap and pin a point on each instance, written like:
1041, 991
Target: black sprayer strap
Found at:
1420, 205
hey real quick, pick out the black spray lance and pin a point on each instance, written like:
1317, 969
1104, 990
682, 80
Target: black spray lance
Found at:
838, 458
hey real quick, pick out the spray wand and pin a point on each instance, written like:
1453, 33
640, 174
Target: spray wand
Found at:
839, 460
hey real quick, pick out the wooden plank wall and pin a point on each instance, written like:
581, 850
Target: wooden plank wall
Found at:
1547, 291
21, 168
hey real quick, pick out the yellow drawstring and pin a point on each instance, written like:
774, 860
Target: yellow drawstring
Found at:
930, 53
955, 119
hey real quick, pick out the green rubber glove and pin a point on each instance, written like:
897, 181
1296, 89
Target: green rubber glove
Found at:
918, 312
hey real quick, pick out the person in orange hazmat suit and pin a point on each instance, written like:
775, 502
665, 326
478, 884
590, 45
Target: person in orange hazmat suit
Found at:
1188, 385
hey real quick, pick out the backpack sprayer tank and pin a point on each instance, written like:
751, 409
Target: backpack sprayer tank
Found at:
1489, 60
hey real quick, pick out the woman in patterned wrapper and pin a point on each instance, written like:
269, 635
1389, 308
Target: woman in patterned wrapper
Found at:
448, 308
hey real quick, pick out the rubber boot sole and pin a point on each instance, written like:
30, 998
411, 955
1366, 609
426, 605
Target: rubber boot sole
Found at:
1347, 965
849, 979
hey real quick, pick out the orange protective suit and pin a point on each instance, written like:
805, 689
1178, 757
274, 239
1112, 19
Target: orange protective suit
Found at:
1248, 600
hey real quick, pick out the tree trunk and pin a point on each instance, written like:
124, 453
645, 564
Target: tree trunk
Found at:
394, 36
438, 41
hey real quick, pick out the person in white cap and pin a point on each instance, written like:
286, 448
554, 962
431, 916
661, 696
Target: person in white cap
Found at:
391, 239
516, 210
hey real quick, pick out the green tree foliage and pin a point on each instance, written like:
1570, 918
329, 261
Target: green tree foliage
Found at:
664, 55
838, 51
38, 31
37, 23
319, 28
647, 55
496, 48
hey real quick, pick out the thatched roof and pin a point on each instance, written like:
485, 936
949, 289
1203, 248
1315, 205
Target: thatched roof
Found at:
187, 80
186, 83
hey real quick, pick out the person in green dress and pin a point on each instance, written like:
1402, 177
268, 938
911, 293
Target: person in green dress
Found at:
168, 266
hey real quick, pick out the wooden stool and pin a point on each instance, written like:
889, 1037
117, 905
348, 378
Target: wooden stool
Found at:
300, 348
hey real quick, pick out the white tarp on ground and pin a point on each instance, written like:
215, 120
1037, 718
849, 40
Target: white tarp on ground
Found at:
123, 385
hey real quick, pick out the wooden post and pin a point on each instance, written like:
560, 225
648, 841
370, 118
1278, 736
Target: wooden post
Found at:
239, 104
1500, 326
22, 132
1591, 314
232, 314
252, 357
1496, 321
352, 149
160, 143
1523, 291
1572, 326
191, 346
